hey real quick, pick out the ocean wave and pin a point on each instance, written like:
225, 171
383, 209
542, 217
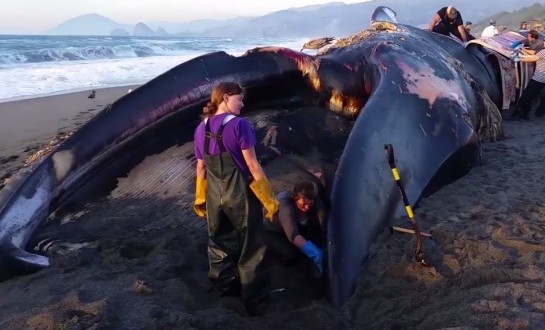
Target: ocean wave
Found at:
53, 49
30, 69
103, 48
91, 53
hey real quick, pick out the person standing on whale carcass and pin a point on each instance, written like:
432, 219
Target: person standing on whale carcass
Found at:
448, 20
230, 185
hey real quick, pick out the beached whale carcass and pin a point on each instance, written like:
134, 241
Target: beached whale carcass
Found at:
434, 101
422, 93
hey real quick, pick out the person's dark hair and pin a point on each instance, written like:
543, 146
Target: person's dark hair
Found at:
222, 88
305, 189
534, 34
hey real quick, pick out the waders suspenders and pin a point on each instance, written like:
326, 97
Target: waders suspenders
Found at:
217, 136
418, 255
209, 135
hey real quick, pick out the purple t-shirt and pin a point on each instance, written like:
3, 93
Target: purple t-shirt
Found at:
237, 135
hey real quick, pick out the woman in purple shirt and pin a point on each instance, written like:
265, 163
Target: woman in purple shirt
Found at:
230, 185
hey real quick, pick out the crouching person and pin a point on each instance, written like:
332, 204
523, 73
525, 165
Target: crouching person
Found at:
296, 231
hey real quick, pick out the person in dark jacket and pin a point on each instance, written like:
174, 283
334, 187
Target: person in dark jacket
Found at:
448, 21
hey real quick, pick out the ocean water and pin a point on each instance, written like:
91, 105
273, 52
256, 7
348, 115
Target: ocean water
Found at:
33, 66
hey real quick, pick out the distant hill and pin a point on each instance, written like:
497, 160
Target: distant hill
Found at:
142, 30
338, 19
161, 32
512, 20
89, 24
315, 7
196, 26
95, 24
331, 19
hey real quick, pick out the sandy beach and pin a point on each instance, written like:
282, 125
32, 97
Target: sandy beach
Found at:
31, 124
149, 271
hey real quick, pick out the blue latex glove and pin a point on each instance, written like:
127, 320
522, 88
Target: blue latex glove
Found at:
314, 253
515, 44
516, 48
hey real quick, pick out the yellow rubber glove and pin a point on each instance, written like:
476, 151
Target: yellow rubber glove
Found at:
262, 190
199, 206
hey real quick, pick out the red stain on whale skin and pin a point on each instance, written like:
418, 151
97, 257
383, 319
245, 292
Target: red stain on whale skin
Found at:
299, 57
307, 64
375, 56
367, 86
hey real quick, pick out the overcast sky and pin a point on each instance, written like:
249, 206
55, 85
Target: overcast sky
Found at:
34, 16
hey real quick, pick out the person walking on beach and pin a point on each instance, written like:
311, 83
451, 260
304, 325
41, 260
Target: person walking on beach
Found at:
230, 185
297, 230
448, 20
533, 89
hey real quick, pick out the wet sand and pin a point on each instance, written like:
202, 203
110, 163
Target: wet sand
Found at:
29, 125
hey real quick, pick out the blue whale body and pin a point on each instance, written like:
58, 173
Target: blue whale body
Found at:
432, 99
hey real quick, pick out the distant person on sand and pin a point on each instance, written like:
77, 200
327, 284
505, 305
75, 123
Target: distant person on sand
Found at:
523, 26
533, 89
297, 230
230, 185
490, 30
448, 20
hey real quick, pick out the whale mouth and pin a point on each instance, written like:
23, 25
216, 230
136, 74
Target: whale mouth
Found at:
155, 173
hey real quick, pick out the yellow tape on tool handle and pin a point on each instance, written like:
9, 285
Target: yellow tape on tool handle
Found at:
389, 150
